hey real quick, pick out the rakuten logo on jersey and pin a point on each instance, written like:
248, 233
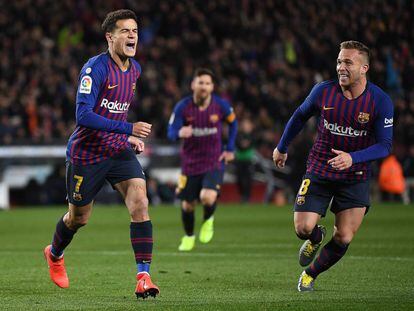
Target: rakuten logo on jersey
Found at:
205, 131
340, 130
115, 107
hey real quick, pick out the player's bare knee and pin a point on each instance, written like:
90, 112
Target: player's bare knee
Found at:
208, 199
137, 203
303, 229
187, 207
138, 208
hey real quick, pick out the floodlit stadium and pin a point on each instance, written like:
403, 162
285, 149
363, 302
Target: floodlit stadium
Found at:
194, 81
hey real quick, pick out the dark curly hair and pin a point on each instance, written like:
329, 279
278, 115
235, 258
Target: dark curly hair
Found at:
111, 18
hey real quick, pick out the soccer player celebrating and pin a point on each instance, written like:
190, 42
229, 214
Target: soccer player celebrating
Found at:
198, 121
102, 147
354, 128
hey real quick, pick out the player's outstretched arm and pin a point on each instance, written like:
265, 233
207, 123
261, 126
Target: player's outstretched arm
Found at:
279, 158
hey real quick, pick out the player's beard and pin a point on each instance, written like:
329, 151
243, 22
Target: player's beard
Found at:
200, 100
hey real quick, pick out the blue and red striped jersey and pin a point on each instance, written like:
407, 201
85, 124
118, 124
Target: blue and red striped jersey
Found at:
200, 153
103, 98
361, 127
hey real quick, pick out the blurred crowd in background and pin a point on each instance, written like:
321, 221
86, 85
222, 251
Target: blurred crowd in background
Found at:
266, 54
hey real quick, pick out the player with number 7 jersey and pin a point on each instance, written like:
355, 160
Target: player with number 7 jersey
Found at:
103, 148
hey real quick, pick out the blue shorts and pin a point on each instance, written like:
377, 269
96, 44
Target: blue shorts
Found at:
316, 193
84, 182
189, 187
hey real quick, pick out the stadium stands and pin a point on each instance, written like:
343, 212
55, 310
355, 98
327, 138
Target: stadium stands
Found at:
266, 54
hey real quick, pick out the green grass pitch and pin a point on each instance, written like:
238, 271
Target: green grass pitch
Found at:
251, 264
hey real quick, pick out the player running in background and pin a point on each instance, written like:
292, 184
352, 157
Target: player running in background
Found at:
198, 121
354, 128
102, 147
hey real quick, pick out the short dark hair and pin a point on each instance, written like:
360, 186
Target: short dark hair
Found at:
204, 71
111, 18
356, 45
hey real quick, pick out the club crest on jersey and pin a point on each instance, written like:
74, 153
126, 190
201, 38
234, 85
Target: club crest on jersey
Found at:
85, 86
300, 200
134, 86
77, 196
214, 118
363, 117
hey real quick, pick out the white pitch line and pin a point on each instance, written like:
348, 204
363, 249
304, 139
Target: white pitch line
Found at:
219, 254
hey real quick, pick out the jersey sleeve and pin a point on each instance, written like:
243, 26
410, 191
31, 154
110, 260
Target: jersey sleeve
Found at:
383, 128
176, 121
228, 113
91, 80
308, 108
230, 118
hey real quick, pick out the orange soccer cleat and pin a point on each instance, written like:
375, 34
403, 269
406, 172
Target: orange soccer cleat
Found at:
57, 268
145, 287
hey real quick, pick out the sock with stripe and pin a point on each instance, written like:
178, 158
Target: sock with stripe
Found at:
316, 235
209, 210
188, 222
330, 254
61, 238
141, 241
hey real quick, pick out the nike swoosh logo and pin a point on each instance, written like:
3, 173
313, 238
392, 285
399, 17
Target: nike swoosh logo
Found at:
145, 286
328, 108
110, 87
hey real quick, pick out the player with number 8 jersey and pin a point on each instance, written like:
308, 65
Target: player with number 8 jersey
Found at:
355, 119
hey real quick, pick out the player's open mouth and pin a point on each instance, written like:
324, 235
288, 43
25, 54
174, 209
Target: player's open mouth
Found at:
130, 46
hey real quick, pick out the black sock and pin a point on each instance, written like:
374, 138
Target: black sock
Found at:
62, 237
330, 254
209, 210
141, 241
316, 235
188, 222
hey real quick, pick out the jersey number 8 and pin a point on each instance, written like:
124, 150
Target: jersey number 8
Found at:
304, 186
